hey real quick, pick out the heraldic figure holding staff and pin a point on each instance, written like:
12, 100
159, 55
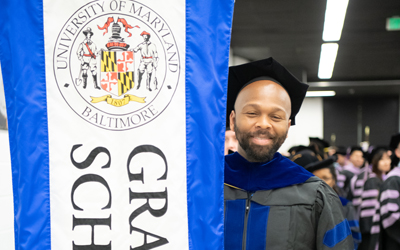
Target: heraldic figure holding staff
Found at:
87, 55
148, 59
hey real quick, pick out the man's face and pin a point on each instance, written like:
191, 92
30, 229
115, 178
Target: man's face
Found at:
261, 120
146, 37
357, 158
231, 142
341, 159
384, 163
331, 151
325, 175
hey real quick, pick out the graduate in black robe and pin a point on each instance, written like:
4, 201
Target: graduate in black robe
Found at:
271, 202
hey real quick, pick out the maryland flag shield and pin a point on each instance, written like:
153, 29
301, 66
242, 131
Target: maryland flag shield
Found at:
117, 71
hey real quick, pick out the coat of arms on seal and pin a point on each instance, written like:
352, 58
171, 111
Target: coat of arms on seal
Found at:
116, 65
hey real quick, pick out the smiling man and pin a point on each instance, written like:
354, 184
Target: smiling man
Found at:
264, 105
271, 202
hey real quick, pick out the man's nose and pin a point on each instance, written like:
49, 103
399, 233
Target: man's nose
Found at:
263, 122
231, 145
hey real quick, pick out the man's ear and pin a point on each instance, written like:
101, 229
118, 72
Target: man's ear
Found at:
232, 118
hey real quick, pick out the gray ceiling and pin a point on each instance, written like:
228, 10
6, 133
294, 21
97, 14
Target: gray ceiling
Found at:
368, 60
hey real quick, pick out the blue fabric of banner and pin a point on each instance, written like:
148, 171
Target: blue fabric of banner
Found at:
208, 30
23, 68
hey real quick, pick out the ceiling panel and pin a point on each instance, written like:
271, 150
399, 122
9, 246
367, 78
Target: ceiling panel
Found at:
291, 32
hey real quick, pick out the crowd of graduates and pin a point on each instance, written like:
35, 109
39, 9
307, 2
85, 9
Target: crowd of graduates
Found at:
367, 183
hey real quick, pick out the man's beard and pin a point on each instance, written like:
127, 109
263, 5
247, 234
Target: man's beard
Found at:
259, 153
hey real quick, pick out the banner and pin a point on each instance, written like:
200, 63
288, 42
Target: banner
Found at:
116, 114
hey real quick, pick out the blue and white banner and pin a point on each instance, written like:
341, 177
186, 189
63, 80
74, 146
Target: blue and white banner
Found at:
116, 116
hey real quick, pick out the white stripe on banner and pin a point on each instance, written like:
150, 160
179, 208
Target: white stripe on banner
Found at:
142, 190
112, 143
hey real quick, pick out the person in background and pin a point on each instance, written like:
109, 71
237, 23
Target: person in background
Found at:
356, 160
393, 146
385, 231
341, 161
271, 202
380, 161
304, 157
354, 167
326, 172
320, 146
231, 143
293, 150
357, 181
341, 158
332, 150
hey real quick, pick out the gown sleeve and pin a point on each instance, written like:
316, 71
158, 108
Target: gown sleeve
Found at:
333, 230
369, 203
350, 214
389, 208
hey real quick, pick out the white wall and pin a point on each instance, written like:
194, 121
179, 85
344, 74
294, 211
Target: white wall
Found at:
2, 99
6, 200
309, 123
236, 60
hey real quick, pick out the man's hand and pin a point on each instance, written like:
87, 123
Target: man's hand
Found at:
137, 48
